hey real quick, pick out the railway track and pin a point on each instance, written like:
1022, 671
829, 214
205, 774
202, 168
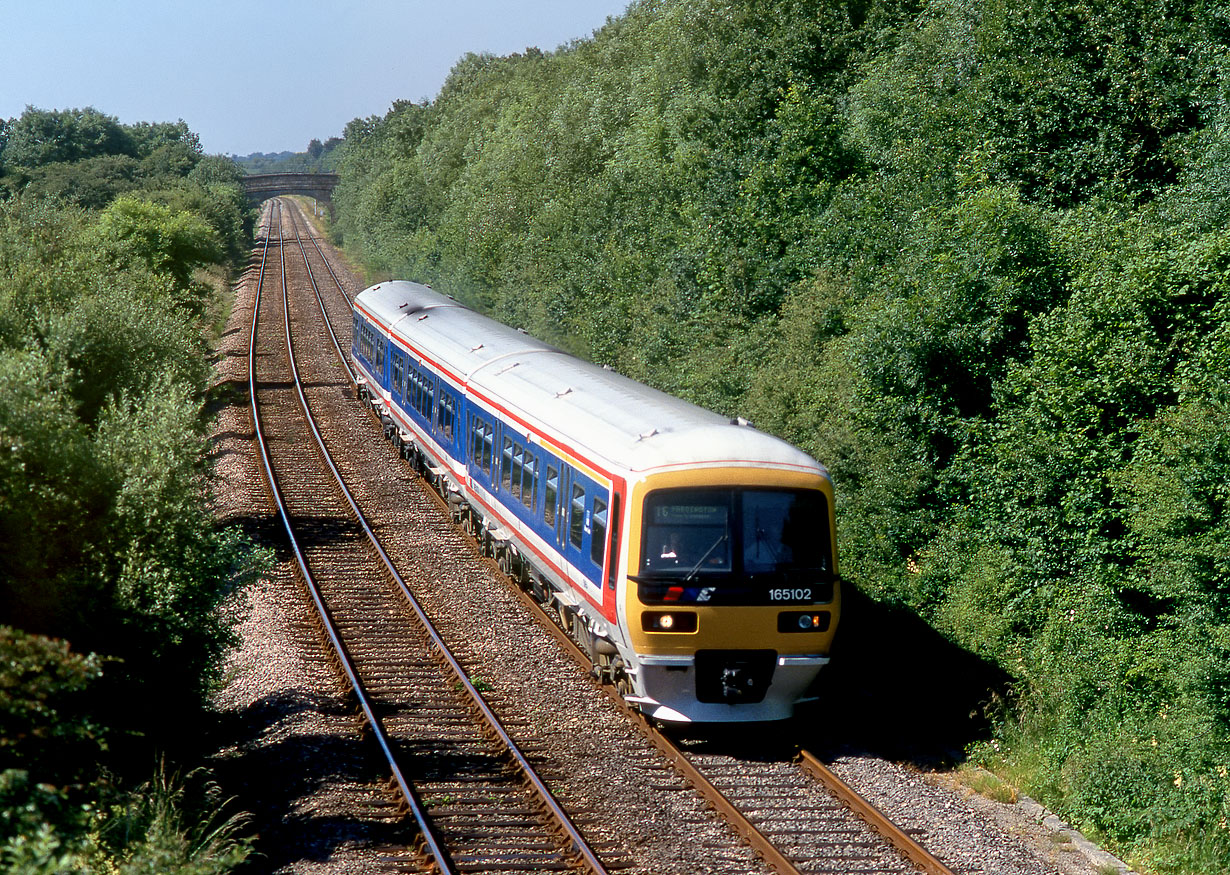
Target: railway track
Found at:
778, 804
477, 801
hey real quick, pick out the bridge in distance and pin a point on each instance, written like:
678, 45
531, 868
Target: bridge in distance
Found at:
262, 186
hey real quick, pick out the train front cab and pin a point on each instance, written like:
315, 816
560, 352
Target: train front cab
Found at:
732, 595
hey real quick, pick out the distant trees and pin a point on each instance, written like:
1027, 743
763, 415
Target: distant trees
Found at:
317, 158
88, 159
970, 255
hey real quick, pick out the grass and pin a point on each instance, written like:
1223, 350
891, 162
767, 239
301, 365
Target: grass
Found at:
986, 784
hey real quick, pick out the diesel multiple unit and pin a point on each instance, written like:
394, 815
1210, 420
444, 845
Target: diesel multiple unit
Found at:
691, 556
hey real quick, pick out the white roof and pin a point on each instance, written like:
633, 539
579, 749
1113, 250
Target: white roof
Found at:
587, 408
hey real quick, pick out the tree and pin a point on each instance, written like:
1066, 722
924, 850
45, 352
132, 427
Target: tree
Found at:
166, 241
41, 137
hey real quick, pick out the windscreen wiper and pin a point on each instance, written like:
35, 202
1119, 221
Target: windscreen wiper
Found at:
695, 568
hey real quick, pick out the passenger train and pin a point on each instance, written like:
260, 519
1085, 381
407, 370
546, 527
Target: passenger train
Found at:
692, 556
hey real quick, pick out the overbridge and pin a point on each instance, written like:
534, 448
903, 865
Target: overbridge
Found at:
262, 186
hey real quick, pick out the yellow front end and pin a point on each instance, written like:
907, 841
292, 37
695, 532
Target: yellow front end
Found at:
714, 645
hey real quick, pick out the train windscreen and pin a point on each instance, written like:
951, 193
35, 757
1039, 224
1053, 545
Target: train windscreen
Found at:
735, 546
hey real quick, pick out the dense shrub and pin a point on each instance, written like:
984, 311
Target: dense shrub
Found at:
114, 579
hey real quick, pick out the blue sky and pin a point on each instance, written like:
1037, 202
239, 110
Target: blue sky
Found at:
261, 75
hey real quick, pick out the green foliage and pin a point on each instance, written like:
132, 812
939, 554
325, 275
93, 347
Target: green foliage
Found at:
108, 540
41, 137
318, 157
84, 158
169, 242
970, 255
171, 824
42, 725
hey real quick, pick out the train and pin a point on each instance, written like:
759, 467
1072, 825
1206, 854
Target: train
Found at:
691, 556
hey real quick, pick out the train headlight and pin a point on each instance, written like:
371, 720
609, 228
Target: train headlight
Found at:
668, 621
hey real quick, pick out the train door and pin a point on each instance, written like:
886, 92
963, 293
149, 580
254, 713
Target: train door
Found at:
381, 371
576, 531
397, 386
444, 425
481, 451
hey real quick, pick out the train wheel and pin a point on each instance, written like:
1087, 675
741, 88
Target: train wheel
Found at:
623, 684
585, 637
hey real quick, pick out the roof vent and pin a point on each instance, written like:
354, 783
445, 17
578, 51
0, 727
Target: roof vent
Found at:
476, 348
507, 368
739, 420
567, 391
644, 436
424, 316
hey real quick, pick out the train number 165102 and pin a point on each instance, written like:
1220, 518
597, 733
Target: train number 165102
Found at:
790, 595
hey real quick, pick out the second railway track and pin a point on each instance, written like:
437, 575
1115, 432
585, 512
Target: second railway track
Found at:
628, 792
477, 802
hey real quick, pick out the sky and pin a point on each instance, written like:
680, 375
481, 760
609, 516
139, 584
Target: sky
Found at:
261, 75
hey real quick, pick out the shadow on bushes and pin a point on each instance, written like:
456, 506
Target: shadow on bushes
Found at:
897, 688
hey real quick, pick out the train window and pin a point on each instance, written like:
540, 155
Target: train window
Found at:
597, 540
688, 529
576, 520
507, 460
488, 448
518, 456
380, 354
529, 480
550, 491
783, 530
367, 342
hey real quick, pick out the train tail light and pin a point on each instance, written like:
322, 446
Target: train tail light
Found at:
803, 621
